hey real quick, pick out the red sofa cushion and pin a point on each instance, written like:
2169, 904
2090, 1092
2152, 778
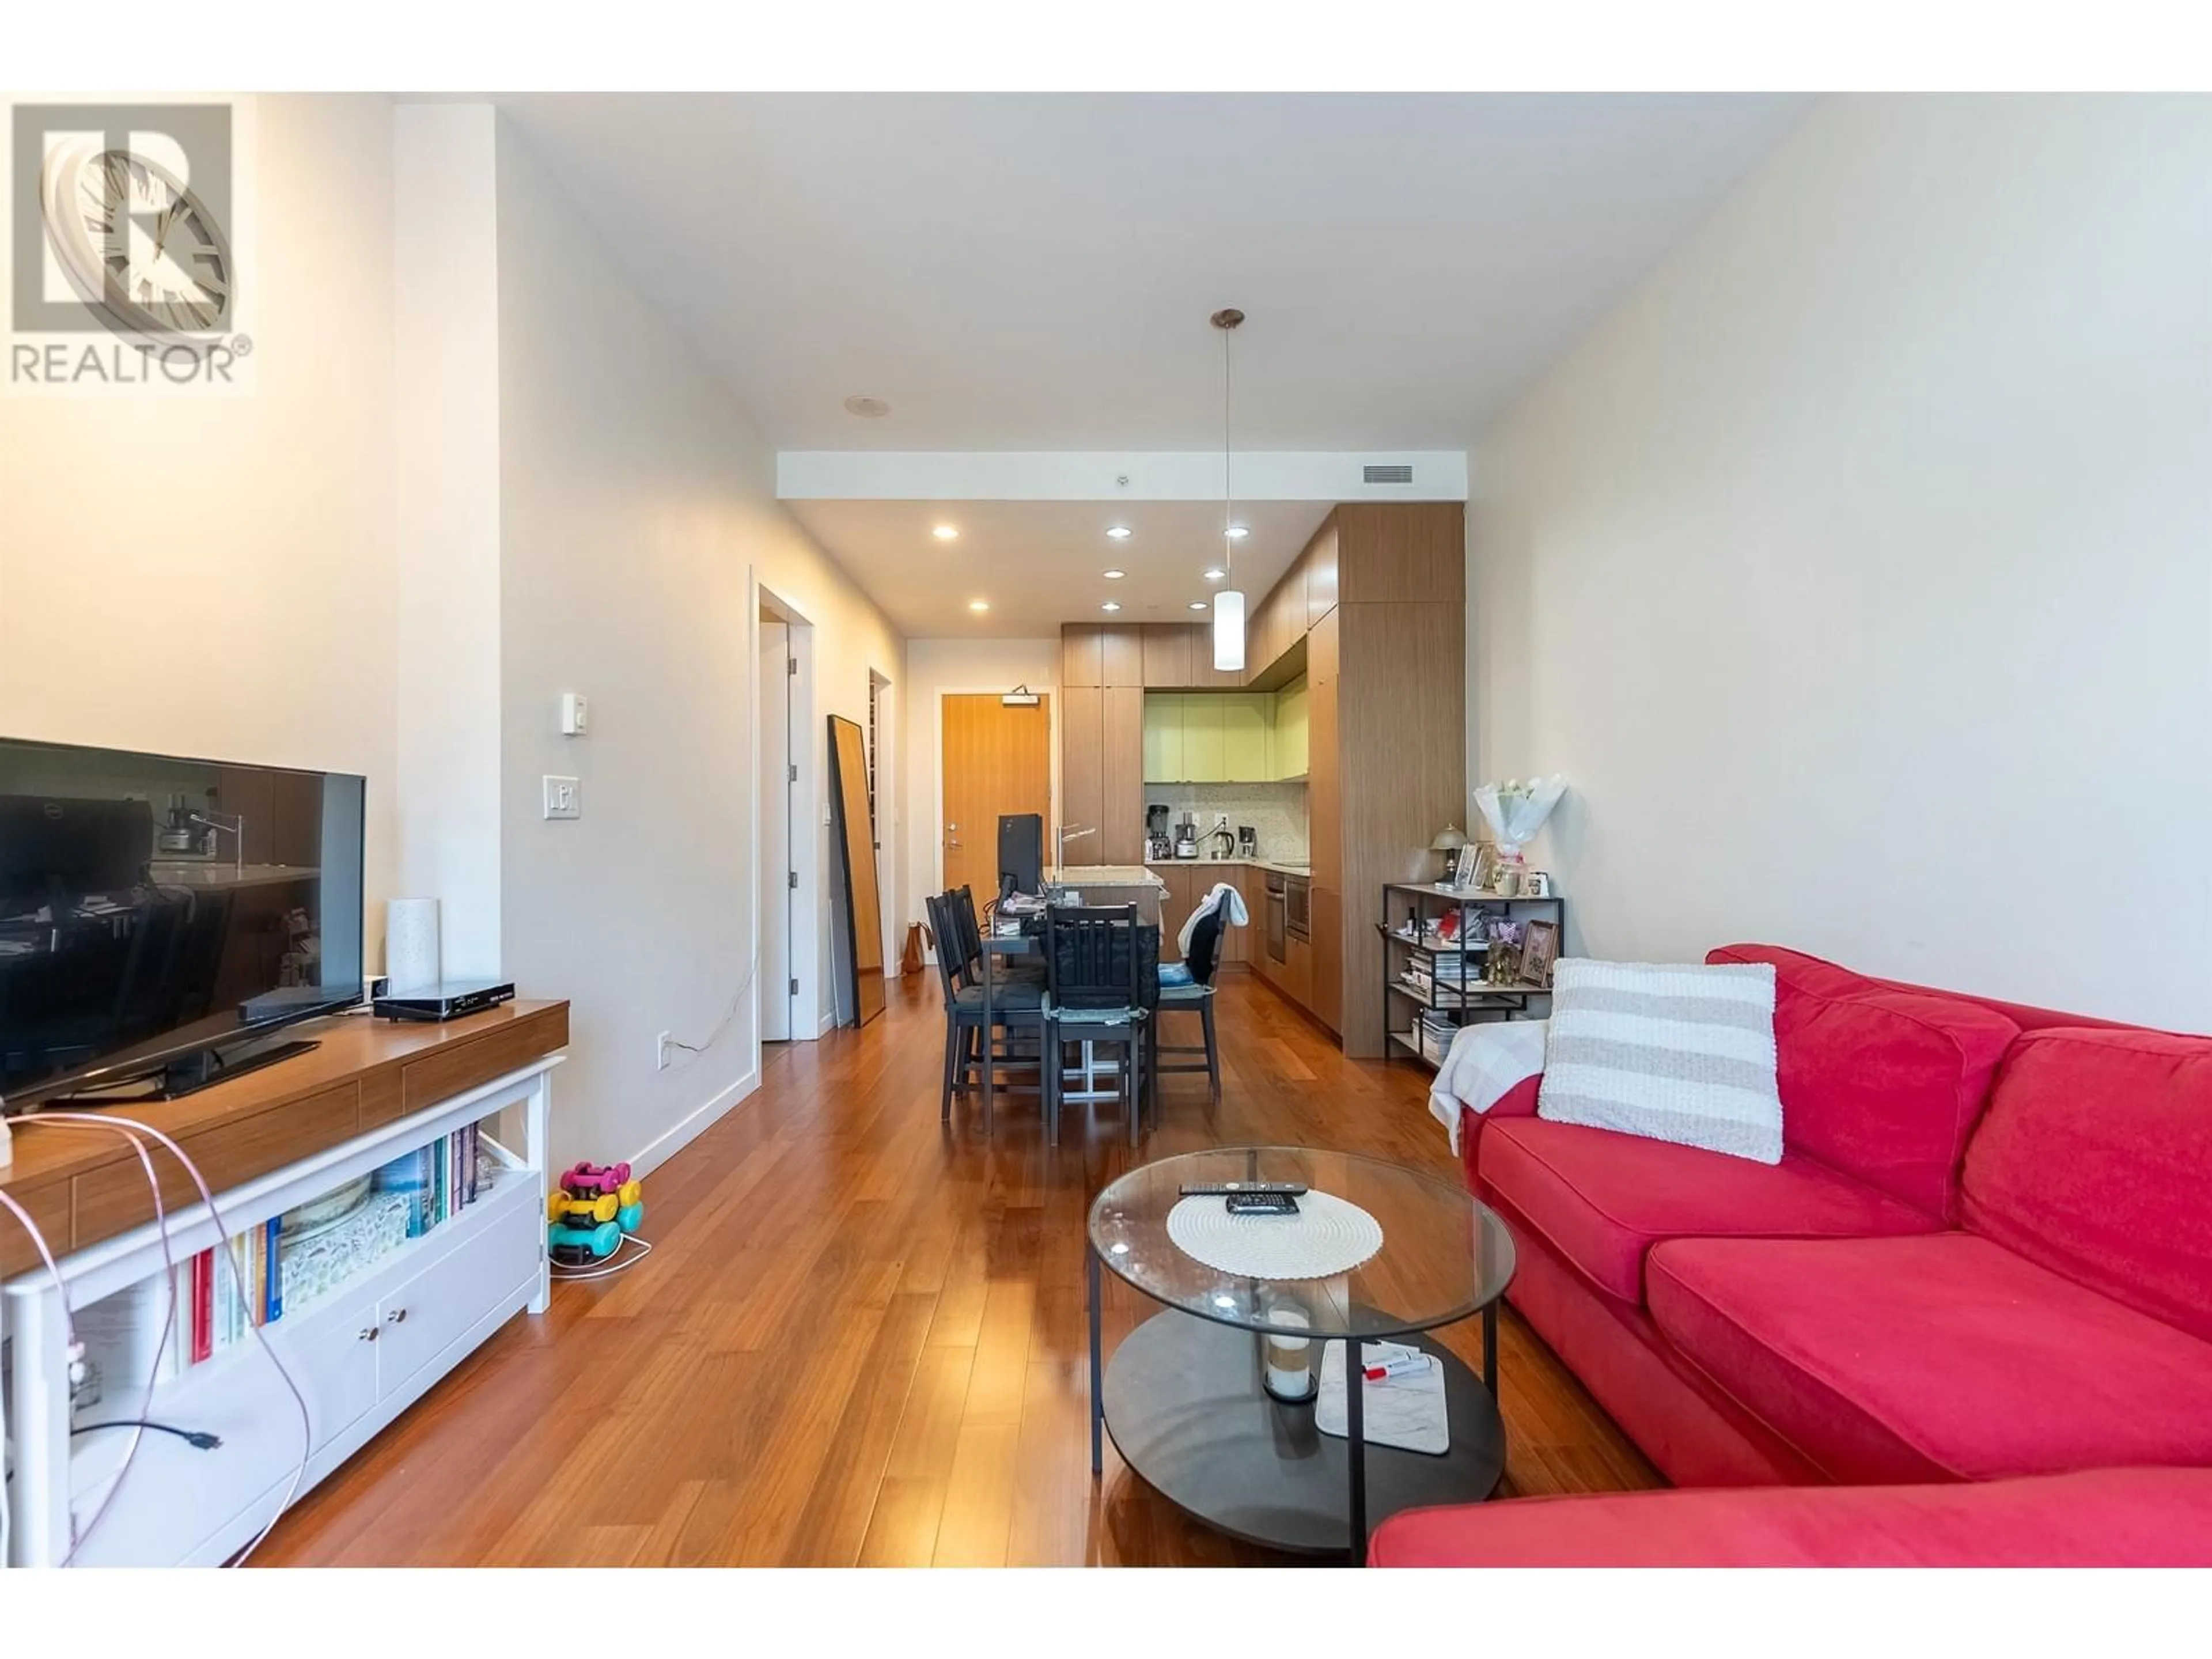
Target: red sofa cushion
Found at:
1944, 1356
1602, 1199
2099, 1518
1881, 1081
2095, 1160
1519, 1101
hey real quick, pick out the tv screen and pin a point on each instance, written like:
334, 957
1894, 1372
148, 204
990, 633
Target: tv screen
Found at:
154, 909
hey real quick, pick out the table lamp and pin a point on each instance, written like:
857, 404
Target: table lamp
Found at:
1448, 841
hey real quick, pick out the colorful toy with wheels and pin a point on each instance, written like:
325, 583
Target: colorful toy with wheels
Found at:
579, 1247
592, 1178
590, 1211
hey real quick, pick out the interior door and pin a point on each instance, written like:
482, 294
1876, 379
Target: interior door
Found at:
775, 953
997, 759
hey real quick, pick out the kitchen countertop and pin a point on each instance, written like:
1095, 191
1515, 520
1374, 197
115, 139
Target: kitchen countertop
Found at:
1104, 875
1278, 865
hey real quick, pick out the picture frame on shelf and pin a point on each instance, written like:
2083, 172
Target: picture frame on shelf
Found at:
1464, 863
1485, 866
1537, 883
1540, 948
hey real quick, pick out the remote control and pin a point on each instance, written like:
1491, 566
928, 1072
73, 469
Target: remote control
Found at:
1261, 1204
1230, 1188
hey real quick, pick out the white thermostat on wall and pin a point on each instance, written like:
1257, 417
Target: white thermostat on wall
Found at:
576, 714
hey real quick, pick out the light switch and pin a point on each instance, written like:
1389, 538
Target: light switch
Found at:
575, 714
564, 798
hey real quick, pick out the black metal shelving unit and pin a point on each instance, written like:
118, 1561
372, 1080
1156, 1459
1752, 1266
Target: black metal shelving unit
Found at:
1427, 900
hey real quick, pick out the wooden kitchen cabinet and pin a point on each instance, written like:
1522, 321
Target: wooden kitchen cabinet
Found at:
1120, 814
1320, 560
1324, 789
1122, 655
1082, 655
1169, 648
1082, 762
1327, 917
1297, 979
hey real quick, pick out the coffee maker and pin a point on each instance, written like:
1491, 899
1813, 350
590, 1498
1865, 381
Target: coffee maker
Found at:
1248, 842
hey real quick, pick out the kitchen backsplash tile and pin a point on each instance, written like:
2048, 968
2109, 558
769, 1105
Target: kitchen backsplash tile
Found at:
1276, 811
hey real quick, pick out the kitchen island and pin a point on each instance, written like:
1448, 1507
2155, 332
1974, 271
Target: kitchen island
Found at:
1110, 884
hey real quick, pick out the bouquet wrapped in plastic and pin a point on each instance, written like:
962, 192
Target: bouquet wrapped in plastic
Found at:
1516, 811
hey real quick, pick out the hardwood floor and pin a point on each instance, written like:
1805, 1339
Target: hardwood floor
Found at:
859, 1338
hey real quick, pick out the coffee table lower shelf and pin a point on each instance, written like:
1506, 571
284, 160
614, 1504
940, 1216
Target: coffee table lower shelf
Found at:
1186, 1411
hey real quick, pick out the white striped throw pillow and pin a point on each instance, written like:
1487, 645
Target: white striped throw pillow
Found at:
1683, 1053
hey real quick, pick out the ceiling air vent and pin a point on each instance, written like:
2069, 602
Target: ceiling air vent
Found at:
1398, 474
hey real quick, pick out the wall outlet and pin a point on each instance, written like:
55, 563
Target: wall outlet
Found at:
564, 798
660, 1053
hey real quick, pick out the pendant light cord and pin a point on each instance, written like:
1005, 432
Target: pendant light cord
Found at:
1228, 490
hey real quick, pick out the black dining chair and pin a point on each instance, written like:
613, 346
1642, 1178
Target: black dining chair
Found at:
968, 1045
1102, 978
1194, 997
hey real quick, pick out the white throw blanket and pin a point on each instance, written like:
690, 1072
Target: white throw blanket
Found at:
1484, 1065
1238, 915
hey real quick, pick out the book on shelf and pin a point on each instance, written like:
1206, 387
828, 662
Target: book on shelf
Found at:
220, 1302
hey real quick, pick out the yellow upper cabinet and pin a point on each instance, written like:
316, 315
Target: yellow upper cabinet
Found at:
1244, 737
1225, 737
1289, 753
1164, 751
1204, 731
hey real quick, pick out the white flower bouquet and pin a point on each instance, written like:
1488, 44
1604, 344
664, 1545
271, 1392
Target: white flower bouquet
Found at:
1516, 811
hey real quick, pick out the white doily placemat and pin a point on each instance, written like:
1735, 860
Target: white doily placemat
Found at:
1327, 1236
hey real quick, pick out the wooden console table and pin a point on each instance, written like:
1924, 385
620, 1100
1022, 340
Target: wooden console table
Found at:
266, 1143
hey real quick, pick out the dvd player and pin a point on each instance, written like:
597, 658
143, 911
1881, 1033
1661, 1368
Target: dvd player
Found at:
454, 1000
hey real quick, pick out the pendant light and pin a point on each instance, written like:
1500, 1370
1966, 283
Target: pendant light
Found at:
1228, 602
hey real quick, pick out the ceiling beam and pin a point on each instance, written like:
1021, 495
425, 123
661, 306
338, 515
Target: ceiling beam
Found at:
1438, 475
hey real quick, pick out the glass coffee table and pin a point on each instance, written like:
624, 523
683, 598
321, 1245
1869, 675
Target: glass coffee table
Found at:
1186, 1395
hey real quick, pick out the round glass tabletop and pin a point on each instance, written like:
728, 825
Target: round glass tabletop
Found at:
1443, 1256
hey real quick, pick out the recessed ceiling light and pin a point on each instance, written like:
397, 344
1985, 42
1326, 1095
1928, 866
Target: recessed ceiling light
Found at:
946, 532
1115, 575
1111, 604
1119, 532
1198, 604
979, 604
1216, 574
1236, 532
868, 409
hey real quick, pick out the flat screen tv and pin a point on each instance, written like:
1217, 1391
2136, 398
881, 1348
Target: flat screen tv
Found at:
160, 918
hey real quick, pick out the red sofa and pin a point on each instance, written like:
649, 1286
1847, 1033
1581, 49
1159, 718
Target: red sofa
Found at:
1986, 1253
2106, 1519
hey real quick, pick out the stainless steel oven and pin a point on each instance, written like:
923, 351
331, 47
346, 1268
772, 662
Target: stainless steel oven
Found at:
1298, 916
1277, 920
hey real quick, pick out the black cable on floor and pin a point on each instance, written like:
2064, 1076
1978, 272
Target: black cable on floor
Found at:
198, 1438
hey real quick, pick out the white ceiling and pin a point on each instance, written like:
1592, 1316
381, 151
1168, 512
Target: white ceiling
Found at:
1034, 272
1039, 563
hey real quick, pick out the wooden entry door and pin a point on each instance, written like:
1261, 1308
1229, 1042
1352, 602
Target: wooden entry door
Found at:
996, 759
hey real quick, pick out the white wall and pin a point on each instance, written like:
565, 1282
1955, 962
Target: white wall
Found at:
445, 357
213, 575
635, 507
934, 667
1857, 570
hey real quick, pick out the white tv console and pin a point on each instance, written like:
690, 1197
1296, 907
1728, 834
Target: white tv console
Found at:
361, 1356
